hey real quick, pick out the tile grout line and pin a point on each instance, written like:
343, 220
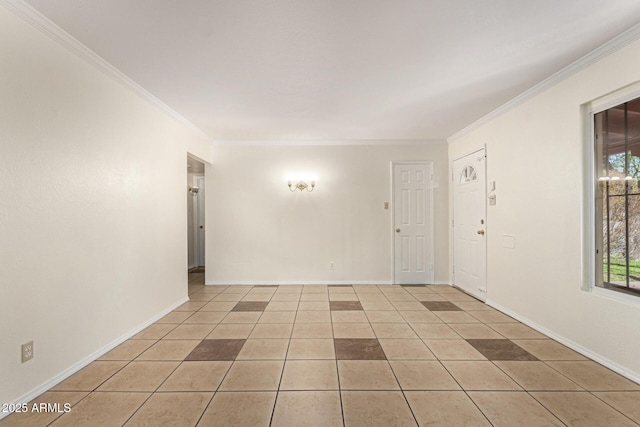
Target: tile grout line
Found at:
221, 380
395, 294
605, 402
74, 405
218, 386
515, 391
455, 379
172, 372
284, 363
583, 390
156, 389
466, 392
335, 354
402, 391
549, 410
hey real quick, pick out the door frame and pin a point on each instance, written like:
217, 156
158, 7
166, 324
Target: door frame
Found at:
192, 180
452, 210
393, 217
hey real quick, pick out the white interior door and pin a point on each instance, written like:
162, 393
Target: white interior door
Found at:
469, 224
413, 223
200, 255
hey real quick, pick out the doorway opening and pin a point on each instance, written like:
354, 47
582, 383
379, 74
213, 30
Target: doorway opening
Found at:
196, 221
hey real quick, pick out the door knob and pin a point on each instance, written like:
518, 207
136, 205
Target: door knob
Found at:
397, 230
481, 232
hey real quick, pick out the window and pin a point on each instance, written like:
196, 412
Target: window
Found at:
468, 174
617, 201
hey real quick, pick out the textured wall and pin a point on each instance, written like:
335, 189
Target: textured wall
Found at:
92, 208
260, 232
536, 155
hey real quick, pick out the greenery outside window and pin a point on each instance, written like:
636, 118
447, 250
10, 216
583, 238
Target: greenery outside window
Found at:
617, 204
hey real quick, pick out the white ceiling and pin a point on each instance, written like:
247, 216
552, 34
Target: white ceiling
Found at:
339, 69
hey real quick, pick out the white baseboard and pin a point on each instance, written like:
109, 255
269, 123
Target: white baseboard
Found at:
289, 283
29, 396
313, 282
633, 376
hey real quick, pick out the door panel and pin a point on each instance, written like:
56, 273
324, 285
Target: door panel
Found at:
413, 235
469, 224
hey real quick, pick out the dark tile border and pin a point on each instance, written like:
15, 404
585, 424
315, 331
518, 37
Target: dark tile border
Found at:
345, 305
226, 349
440, 306
499, 349
250, 306
358, 349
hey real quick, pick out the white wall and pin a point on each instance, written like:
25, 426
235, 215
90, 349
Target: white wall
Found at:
535, 155
258, 231
93, 220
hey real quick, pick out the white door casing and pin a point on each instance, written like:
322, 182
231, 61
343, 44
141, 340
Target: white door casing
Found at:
413, 222
469, 224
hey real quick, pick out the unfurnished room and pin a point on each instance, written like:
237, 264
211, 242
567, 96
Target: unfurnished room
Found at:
319, 213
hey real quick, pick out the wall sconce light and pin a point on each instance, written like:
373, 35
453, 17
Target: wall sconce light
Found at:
301, 185
194, 190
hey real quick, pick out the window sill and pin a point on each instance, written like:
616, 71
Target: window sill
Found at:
616, 295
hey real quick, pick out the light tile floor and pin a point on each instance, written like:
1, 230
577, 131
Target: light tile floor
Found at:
343, 356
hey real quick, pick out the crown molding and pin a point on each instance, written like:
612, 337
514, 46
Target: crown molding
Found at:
30, 15
627, 37
326, 142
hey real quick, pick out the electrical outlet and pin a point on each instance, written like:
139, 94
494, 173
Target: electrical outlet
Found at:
331, 265
27, 351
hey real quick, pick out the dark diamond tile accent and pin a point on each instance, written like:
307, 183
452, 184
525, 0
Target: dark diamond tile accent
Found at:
345, 305
501, 350
358, 349
250, 306
216, 350
441, 306
340, 286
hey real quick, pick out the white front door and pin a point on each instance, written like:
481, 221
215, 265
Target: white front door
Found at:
469, 224
413, 223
